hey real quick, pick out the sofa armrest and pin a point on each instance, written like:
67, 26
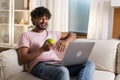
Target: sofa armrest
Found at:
9, 63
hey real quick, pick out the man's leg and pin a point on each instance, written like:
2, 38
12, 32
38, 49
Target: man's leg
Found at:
50, 72
87, 72
84, 71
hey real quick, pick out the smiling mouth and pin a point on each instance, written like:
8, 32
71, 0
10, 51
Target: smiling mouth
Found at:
43, 26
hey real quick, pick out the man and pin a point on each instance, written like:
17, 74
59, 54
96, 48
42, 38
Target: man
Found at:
34, 51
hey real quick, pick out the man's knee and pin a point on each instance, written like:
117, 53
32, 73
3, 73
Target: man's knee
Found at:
90, 64
62, 73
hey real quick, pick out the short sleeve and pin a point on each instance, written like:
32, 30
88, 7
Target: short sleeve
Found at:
56, 35
23, 41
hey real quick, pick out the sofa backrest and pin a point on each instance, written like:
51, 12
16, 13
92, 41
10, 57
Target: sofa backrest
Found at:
9, 64
104, 54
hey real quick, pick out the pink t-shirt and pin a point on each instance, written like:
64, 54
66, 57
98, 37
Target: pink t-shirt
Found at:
34, 40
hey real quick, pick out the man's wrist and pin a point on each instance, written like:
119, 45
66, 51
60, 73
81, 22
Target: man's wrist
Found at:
41, 50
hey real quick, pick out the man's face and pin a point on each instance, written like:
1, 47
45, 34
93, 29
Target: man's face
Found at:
41, 22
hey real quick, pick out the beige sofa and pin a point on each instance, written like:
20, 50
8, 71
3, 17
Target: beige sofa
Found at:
105, 54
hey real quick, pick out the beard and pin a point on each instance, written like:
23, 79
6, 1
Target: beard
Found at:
42, 27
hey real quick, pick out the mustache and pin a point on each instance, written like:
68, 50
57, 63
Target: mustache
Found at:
45, 23
43, 28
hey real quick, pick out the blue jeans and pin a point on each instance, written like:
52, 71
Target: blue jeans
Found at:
51, 72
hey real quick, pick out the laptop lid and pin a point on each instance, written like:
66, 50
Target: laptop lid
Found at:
77, 53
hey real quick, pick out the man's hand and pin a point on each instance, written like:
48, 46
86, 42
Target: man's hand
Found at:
47, 47
61, 45
51, 41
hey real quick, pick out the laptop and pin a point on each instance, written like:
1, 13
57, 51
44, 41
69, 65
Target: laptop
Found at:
75, 53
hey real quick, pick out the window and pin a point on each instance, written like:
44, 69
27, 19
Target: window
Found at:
79, 16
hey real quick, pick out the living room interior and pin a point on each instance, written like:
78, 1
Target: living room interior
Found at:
17, 20
103, 27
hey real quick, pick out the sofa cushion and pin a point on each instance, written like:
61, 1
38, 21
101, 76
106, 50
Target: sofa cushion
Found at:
103, 75
9, 63
103, 54
27, 76
98, 75
23, 76
118, 59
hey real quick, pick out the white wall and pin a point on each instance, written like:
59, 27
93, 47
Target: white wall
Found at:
115, 3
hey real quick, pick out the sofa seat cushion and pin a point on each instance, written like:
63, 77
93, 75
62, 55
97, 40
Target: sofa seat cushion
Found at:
27, 76
23, 76
103, 75
98, 75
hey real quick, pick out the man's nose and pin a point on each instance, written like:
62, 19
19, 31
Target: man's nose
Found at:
44, 20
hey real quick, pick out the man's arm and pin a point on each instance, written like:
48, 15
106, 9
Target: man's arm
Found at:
68, 36
24, 56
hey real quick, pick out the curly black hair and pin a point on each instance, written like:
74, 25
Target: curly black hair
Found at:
40, 12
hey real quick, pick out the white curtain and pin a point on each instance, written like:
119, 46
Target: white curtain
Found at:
100, 20
59, 11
